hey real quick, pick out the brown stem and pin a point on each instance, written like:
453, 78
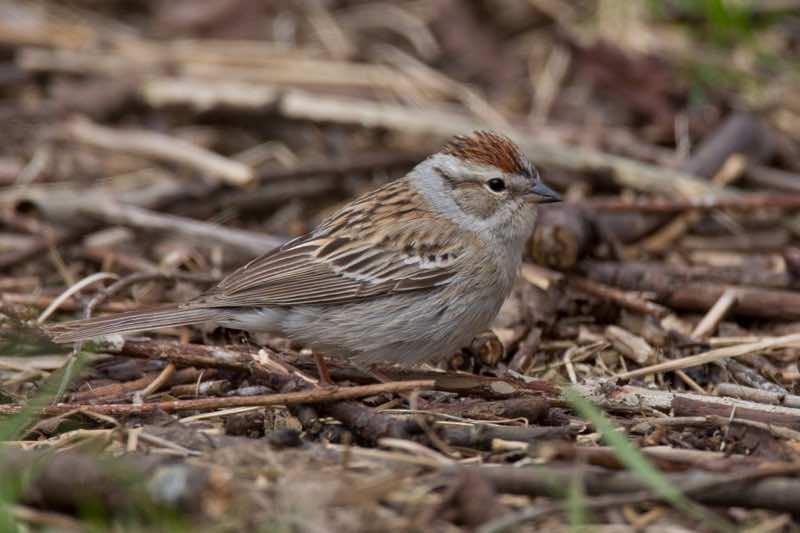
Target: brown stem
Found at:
291, 398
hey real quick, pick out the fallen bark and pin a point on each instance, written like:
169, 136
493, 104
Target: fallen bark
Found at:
758, 395
630, 399
681, 288
779, 493
69, 481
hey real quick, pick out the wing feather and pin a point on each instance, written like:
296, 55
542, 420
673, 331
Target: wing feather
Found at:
326, 270
372, 247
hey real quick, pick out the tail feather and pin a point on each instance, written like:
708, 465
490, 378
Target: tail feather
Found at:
128, 322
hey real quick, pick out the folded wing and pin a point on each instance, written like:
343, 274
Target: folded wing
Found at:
327, 270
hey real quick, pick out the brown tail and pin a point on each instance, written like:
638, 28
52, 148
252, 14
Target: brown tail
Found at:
164, 317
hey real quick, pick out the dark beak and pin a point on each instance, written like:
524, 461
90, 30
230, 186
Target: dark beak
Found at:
542, 194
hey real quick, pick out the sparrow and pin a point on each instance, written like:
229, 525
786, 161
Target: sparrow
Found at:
405, 274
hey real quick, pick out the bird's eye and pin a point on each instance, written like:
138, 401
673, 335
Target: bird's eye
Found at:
496, 185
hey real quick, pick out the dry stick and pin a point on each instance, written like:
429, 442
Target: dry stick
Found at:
714, 355
661, 240
70, 291
305, 105
69, 304
212, 61
157, 383
655, 276
630, 399
772, 178
203, 95
679, 291
70, 205
251, 242
627, 172
301, 104
741, 133
61, 522
353, 164
775, 431
243, 360
754, 376
162, 147
739, 201
629, 345
185, 375
627, 300
757, 488
662, 456
14, 257
318, 395
758, 395
709, 323
705, 327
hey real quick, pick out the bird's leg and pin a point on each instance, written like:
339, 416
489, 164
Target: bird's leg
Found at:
322, 370
373, 371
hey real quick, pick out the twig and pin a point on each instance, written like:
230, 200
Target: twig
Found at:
627, 300
765, 491
70, 304
59, 521
103, 295
157, 383
317, 395
714, 355
77, 287
632, 399
737, 201
160, 146
631, 346
709, 323
113, 390
758, 395
250, 242
694, 289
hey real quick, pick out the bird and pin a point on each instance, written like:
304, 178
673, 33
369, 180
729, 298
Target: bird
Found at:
405, 274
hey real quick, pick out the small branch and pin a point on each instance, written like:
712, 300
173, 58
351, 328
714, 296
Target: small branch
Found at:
711, 320
737, 201
698, 289
112, 212
158, 382
627, 300
779, 492
758, 395
114, 390
162, 147
632, 399
69, 304
714, 355
317, 395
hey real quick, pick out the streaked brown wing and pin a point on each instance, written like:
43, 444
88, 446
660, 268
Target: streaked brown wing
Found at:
326, 269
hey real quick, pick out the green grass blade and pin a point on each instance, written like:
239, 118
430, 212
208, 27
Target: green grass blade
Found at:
637, 463
576, 503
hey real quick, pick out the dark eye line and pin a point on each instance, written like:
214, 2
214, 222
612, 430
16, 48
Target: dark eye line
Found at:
447, 177
453, 182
